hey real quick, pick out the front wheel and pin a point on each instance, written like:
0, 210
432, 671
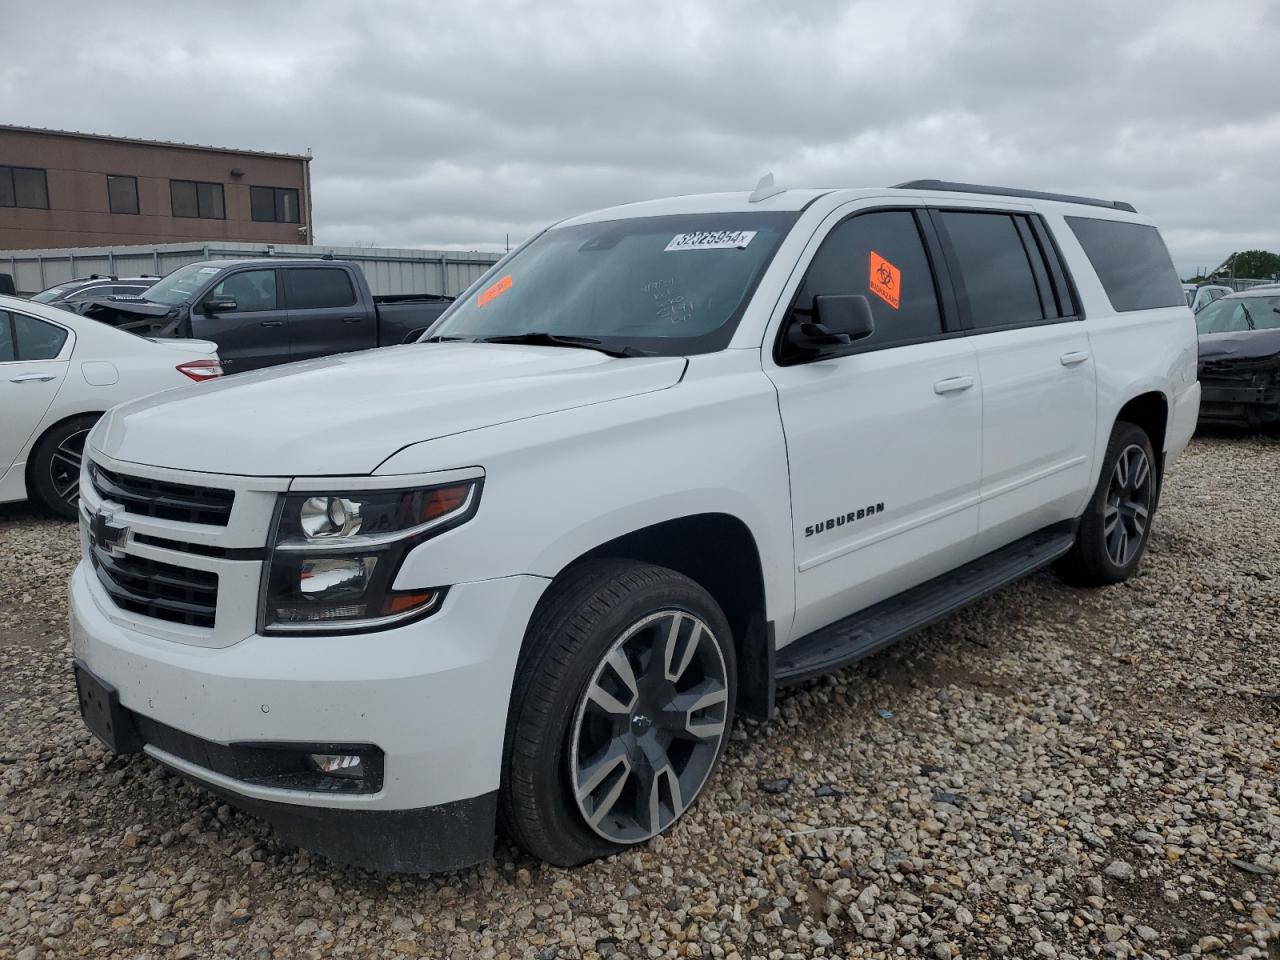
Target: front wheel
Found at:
1116, 525
621, 709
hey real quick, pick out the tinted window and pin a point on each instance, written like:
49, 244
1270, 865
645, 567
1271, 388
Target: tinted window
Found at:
23, 187
1131, 261
6, 338
89, 292
122, 194
193, 199
278, 204
320, 287
995, 271
251, 290
879, 256
37, 340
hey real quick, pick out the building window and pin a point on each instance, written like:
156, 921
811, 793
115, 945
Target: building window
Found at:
24, 187
195, 199
122, 194
274, 204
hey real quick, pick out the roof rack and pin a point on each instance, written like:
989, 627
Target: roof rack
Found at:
1011, 192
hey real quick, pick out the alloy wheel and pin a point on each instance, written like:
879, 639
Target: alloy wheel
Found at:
1128, 506
649, 727
64, 467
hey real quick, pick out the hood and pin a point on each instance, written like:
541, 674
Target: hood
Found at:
1242, 345
346, 414
132, 305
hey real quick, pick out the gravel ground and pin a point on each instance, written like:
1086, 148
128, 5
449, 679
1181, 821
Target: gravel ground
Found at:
1053, 773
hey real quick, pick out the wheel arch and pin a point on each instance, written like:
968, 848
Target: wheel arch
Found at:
1150, 411
718, 552
38, 438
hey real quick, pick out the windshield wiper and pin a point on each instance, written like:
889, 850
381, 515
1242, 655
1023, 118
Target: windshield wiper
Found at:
443, 338
1248, 317
539, 338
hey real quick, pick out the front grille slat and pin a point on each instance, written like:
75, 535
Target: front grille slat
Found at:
163, 499
159, 590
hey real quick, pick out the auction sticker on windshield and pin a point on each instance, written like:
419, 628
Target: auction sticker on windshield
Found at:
710, 240
494, 291
885, 280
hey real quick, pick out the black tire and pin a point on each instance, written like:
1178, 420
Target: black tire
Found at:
584, 618
54, 470
1101, 555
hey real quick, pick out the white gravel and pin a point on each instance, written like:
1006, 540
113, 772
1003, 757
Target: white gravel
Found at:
1054, 773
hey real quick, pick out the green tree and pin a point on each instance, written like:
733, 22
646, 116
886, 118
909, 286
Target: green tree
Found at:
1256, 264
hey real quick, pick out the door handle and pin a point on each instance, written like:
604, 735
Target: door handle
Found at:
272, 323
352, 319
35, 378
1074, 357
952, 385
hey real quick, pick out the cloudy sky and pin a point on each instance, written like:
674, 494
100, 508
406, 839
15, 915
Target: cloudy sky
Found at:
457, 124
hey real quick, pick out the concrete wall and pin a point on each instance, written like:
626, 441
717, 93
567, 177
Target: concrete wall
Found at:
77, 166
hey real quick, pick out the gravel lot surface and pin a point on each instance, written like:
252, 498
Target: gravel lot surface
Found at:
1053, 773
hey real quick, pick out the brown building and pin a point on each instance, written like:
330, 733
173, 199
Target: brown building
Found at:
63, 189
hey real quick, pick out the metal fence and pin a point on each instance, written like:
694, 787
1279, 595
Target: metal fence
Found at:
389, 271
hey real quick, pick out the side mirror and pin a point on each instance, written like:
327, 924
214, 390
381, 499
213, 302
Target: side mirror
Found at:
835, 323
219, 305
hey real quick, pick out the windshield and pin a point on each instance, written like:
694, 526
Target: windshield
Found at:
182, 285
663, 285
50, 295
1247, 313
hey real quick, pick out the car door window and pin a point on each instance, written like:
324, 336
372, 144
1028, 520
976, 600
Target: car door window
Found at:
250, 289
316, 289
995, 269
880, 256
7, 352
36, 339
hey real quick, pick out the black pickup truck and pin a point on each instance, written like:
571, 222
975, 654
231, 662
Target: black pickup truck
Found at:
261, 312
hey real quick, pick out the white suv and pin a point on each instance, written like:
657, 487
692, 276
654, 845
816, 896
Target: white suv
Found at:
658, 462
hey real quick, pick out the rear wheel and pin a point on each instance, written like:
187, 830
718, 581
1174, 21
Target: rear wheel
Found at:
1116, 524
55, 465
622, 708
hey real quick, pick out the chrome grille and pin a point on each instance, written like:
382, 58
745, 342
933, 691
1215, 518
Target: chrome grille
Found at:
163, 499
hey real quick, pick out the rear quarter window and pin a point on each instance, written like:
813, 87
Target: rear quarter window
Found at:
1132, 263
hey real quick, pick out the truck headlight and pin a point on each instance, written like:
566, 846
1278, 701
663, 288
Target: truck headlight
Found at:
334, 556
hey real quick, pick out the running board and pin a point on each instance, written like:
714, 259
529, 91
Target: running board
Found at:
869, 630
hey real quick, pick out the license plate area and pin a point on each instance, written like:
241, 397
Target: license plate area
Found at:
102, 713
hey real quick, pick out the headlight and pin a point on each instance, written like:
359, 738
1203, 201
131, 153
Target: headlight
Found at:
334, 556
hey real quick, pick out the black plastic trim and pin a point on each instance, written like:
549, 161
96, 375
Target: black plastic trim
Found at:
952, 186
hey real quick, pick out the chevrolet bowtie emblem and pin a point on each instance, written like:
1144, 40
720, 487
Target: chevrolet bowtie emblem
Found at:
107, 534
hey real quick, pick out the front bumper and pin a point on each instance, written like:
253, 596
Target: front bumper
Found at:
1247, 394
432, 696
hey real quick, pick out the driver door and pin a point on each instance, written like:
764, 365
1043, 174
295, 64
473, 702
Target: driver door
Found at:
884, 445
254, 334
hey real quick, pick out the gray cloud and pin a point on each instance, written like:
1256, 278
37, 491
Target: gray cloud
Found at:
459, 124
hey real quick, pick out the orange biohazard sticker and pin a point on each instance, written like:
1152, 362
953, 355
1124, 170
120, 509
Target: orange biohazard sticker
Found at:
885, 280
498, 289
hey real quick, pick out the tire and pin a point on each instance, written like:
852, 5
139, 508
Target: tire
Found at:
54, 471
1116, 525
570, 708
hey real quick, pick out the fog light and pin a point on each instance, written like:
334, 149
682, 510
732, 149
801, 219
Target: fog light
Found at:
349, 765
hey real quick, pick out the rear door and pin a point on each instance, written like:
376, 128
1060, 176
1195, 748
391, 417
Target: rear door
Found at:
883, 445
33, 363
1039, 391
255, 333
325, 315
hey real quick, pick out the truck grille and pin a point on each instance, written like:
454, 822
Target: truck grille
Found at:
159, 590
162, 499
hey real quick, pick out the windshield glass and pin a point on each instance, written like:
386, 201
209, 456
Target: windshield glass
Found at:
50, 295
182, 285
665, 285
1248, 313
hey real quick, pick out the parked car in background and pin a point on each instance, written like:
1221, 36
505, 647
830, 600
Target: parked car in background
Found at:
661, 460
1198, 297
92, 287
58, 374
265, 312
1240, 358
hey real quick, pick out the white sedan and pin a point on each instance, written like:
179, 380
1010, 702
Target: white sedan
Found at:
59, 372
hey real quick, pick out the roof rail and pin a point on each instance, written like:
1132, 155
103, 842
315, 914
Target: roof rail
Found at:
1011, 192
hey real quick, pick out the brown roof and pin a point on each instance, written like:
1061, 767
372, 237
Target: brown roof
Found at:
154, 143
